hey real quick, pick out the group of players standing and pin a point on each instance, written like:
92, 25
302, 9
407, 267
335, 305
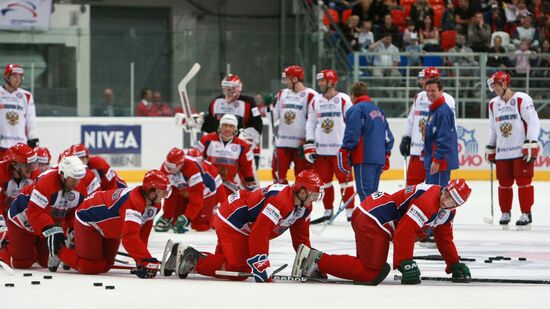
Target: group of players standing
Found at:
80, 211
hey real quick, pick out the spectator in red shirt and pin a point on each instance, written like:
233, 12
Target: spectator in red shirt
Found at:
144, 105
158, 108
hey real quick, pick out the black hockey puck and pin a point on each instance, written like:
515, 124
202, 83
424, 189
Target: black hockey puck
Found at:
66, 267
109, 287
9, 285
98, 284
488, 261
47, 277
27, 274
35, 282
500, 257
492, 258
507, 258
522, 259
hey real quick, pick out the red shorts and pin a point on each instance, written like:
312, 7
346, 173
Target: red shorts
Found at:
24, 248
416, 174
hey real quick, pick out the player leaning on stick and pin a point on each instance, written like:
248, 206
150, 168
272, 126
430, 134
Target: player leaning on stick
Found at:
514, 130
403, 217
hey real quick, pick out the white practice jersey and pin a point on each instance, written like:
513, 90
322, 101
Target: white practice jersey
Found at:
18, 116
418, 116
326, 123
511, 123
291, 111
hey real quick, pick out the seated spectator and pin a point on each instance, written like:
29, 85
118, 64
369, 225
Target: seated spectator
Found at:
386, 63
523, 58
463, 13
497, 62
351, 31
144, 105
365, 10
365, 38
543, 63
540, 9
416, 49
106, 108
389, 28
158, 108
522, 9
527, 32
429, 34
419, 11
479, 34
463, 60
411, 29
495, 18
448, 19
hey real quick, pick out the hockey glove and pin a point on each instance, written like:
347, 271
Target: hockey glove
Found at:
261, 268
490, 153
162, 224
147, 268
387, 161
343, 161
461, 273
310, 153
182, 225
55, 238
530, 150
410, 272
405, 146
33, 142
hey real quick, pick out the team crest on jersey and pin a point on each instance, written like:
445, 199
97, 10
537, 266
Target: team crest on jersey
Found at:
303, 94
327, 125
290, 116
19, 95
12, 118
422, 127
506, 129
337, 100
513, 102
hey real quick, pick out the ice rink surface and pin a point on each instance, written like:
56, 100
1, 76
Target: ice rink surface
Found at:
474, 239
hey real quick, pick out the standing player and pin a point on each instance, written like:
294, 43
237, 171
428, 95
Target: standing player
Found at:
513, 146
108, 218
17, 108
402, 217
39, 217
291, 111
324, 134
229, 154
184, 205
246, 223
107, 177
412, 142
367, 142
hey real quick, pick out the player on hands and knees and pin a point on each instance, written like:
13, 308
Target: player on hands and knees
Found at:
107, 176
513, 147
244, 230
402, 217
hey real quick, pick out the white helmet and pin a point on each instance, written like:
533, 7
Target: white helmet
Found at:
229, 119
73, 167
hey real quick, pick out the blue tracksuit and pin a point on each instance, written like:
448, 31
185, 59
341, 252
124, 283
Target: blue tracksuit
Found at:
440, 143
368, 138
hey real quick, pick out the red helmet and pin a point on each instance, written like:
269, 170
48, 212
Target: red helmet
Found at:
232, 81
155, 179
431, 72
499, 77
43, 155
309, 180
294, 71
459, 190
13, 68
194, 152
79, 150
21, 153
65, 153
174, 158
329, 75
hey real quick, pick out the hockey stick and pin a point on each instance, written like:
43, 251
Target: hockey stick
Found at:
489, 220
482, 280
244, 274
123, 254
273, 139
436, 257
322, 219
190, 122
122, 262
7, 268
386, 268
329, 222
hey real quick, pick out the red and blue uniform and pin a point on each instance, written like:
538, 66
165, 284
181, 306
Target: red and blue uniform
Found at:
440, 142
247, 221
9, 187
403, 217
105, 220
368, 138
108, 177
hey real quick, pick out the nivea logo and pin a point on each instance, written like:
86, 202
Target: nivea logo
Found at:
112, 139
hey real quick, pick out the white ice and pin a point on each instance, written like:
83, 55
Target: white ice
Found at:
473, 238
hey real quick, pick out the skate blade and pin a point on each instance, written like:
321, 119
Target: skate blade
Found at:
427, 245
298, 261
505, 227
524, 228
165, 255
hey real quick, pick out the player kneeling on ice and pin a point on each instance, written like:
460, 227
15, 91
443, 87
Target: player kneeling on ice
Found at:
403, 217
107, 218
245, 224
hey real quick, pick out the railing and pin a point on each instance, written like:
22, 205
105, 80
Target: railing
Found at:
464, 77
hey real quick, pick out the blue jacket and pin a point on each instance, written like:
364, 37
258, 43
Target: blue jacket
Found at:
440, 139
368, 136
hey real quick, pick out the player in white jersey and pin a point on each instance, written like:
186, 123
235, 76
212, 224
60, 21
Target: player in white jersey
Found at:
412, 142
513, 147
324, 133
17, 111
291, 112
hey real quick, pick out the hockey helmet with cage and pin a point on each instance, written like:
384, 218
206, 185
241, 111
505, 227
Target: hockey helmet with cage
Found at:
72, 166
294, 71
232, 81
500, 77
329, 75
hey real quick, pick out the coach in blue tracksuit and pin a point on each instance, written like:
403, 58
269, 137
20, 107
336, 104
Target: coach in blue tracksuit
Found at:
367, 142
440, 139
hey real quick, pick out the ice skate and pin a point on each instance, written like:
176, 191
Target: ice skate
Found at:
168, 265
505, 220
187, 258
305, 263
524, 222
